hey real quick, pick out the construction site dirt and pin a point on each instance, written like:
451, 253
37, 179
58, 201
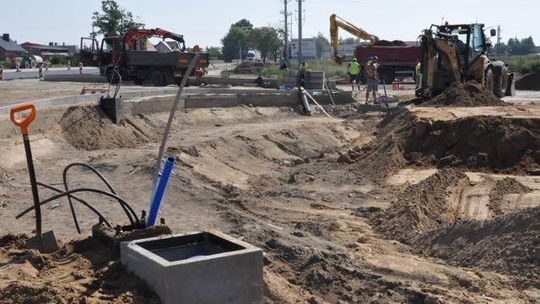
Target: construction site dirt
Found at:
426, 205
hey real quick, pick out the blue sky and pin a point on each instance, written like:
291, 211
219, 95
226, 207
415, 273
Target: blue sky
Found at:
206, 22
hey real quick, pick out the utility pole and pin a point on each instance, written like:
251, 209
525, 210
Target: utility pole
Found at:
499, 38
286, 45
300, 51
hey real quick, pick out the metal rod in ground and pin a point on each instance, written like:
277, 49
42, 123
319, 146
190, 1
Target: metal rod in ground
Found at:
385, 97
327, 87
169, 124
313, 99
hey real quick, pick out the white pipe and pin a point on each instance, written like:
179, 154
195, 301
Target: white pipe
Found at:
313, 99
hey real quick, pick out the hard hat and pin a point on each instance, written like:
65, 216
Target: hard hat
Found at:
375, 58
354, 59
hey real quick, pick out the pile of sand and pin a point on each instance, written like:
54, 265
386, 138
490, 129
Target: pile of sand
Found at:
470, 94
508, 244
481, 143
420, 208
249, 68
529, 82
89, 128
390, 43
81, 272
485, 142
502, 187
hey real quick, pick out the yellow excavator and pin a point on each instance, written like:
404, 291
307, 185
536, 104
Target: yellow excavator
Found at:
458, 53
336, 23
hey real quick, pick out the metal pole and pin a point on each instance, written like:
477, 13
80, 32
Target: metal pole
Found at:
169, 124
286, 47
300, 51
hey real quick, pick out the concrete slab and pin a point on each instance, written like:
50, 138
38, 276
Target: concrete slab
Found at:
204, 267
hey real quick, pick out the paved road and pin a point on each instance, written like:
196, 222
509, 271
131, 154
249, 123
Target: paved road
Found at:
215, 68
33, 73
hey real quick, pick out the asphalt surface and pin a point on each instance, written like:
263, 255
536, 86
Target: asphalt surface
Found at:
33, 73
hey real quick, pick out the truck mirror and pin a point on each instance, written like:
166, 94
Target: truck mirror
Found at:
493, 32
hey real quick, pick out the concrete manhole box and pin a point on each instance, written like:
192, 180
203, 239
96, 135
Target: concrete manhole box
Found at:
202, 268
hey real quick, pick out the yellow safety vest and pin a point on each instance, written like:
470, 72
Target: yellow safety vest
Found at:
354, 68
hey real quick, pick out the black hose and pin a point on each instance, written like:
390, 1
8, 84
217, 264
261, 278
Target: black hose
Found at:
106, 182
79, 200
54, 197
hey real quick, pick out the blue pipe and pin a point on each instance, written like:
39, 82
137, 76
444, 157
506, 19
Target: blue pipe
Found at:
160, 192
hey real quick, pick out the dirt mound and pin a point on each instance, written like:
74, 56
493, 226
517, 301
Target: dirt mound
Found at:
249, 68
485, 142
493, 144
502, 187
384, 154
470, 94
81, 272
507, 244
420, 208
390, 43
89, 128
530, 82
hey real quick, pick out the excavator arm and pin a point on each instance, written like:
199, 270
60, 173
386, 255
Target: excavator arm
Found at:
335, 24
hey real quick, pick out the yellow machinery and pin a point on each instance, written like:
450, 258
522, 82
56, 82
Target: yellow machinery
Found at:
459, 53
336, 23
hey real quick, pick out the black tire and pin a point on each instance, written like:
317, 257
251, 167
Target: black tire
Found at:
387, 76
112, 77
158, 79
489, 81
500, 82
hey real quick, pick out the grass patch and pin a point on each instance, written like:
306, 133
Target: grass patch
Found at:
522, 64
328, 67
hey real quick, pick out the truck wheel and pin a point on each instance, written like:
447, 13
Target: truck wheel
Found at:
489, 82
387, 76
158, 80
500, 82
112, 77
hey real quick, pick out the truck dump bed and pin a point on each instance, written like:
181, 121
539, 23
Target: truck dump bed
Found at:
390, 55
178, 59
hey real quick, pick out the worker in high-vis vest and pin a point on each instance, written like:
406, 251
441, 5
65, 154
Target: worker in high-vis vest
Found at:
353, 69
418, 74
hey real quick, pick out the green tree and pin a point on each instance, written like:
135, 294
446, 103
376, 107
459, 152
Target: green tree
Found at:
521, 47
266, 40
113, 20
350, 41
236, 39
322, 43
214, 53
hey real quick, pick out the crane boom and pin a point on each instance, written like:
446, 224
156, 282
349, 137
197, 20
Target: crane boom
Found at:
335, 24
133, 35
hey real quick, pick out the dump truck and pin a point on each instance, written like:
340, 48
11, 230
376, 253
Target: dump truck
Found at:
459, 53
134, 58
396, 59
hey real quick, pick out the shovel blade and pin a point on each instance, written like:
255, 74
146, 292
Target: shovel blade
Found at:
47, 244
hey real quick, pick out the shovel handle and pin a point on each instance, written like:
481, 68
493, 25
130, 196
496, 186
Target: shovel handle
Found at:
25, 122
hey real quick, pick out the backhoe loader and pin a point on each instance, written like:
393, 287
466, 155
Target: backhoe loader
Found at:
459, 53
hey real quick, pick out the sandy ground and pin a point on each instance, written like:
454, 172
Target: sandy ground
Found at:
272, 178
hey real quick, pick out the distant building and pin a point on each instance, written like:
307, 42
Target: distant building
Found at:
9, 48
46, 51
